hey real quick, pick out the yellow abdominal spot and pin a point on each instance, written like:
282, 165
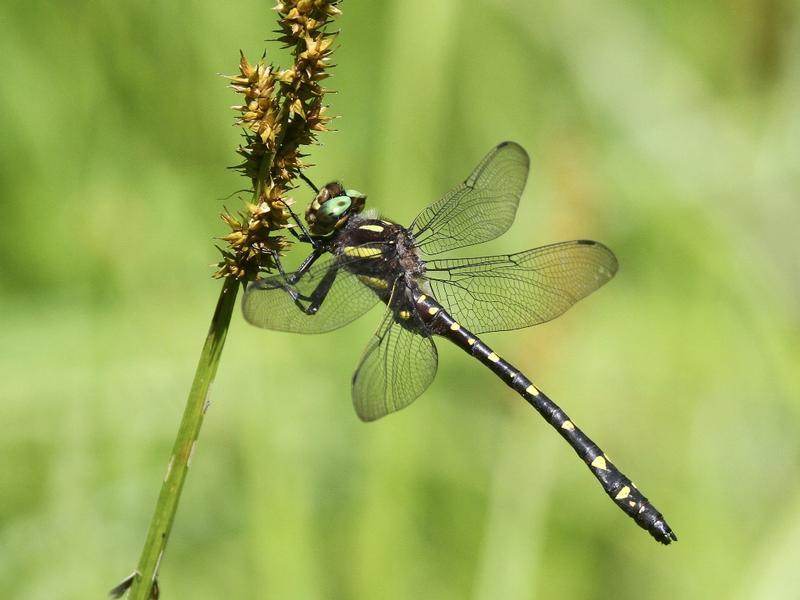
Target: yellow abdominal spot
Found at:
534, 392
568, 425
455, 327
623, 493
493, 357
422, 299
362, 251
600, 463
404, 314
375, 228
433, 310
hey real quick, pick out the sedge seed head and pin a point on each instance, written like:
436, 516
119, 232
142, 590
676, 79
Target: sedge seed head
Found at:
281, 111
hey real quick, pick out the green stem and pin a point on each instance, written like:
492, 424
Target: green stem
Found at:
185, 444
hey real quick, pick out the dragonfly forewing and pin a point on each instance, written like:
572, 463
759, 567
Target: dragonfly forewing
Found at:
481, 208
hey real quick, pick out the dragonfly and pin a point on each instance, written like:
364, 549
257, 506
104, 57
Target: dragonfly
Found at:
360, 259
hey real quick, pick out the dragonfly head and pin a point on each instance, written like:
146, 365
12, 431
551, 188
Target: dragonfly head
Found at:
332, 207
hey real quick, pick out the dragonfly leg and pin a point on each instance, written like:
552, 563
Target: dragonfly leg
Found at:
293, 278
308, 303
309, 182
305, 265
276, 258
306, 237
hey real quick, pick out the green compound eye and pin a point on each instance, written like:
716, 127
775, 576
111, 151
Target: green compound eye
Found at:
333, 209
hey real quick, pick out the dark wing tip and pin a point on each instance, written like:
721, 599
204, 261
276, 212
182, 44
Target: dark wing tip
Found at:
517, 147
507, 148
613, 263
510, 144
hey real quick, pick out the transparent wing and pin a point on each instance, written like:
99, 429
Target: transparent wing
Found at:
341, 296
498, 293
481, 208
397, 366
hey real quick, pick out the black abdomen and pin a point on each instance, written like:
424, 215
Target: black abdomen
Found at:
615, 483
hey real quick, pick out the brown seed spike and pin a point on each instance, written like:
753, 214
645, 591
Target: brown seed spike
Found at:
281, 110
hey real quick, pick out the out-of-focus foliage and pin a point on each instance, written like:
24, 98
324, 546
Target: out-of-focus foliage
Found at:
669, 131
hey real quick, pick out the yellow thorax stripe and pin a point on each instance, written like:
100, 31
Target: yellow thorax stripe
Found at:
362, 251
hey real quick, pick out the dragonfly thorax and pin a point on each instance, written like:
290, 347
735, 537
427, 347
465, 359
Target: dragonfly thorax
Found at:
382, 254
332, 207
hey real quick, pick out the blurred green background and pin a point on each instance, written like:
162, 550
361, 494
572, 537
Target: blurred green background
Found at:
670, 131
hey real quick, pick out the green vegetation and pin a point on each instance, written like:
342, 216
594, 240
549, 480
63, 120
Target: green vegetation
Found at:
668, 131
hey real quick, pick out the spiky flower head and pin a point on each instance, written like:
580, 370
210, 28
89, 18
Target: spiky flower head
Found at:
282, 111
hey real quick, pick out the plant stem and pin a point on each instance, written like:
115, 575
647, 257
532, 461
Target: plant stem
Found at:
185, 444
